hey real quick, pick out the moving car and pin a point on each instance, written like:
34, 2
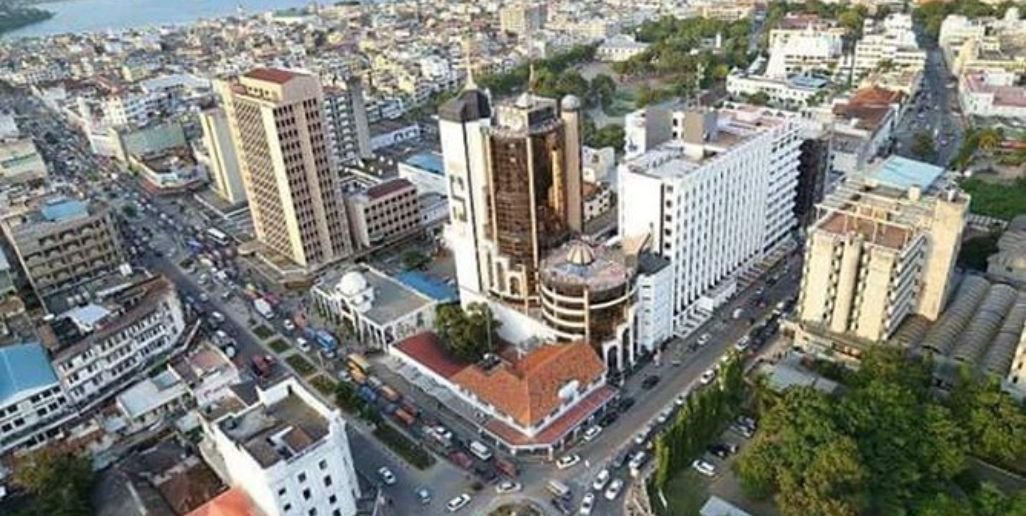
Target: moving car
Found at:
614, 489
650, 381
568, 461
386, 475
423, 496
587, 504
704, 467
458, 503
601, 480
508, 486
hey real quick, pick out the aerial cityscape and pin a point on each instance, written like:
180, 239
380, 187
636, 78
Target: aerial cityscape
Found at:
512, 257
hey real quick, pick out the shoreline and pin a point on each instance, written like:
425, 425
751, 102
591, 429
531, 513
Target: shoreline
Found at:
23, 16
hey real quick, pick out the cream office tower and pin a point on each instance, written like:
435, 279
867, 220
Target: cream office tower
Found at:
278, 128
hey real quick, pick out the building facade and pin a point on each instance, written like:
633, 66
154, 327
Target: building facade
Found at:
32, 402
383, 213
222, 160
523, 18
281, 137
346, 117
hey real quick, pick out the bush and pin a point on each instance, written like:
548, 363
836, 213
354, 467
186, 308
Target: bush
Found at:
302, 366
263, 331
997, 200
323, 384
404, 447
279, 346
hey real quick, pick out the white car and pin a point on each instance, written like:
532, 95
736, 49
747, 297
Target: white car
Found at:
614, 489
704, 467
508, 486
568, 461
587, 504
704, 339
288, 325
601, 480
742, 344
664, 416
707, 377
681, 400
592, 433
641, 437
458, 503
303, 345
386, 475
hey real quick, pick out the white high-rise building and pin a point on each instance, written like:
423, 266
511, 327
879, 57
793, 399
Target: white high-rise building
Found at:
715, 200
891, 41
287, 450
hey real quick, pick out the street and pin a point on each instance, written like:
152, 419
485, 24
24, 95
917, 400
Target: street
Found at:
934, 111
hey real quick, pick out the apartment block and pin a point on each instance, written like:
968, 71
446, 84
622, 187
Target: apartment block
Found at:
523, 18
803, 44
102, 346
346, 117
383, 213
890, 41
715, 200
280, 134
883, 248
285, 449
62, 243
21, 164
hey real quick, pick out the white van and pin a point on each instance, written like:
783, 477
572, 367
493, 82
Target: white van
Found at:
557, 488
480, 450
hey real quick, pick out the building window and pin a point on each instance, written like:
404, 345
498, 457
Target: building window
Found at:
281, 492
327, 481
286, 507
313, 512
332, 499
323, 464
306, 494
302, 477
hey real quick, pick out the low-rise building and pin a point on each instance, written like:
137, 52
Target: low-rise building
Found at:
888, 43
620, 47
534, 402
1009, 262
794, 91
993, 93
33, 405
151, 400
20, 164
206, 372
378, 310
62, 243
804, 43
287, 450
169, 172
426, 171
383, 213
101, 347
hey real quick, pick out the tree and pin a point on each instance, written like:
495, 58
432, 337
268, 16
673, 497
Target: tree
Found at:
663, 462
611, 135
922, 145
603, 90
414, 259
990, 138
59, 481
129, 211
467, 334
759, 98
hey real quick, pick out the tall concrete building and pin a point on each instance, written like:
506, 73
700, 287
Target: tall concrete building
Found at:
523, 18
62, 243
715, 200
515, 188
883, 248
346, 116
222, 158
279, 130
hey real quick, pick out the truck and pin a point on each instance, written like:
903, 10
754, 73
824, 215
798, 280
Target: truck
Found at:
263, 308
358, 377
405, 417
389, 393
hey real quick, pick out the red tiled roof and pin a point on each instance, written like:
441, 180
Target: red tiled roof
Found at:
875, 96
558, 428
528, 389
232, 502
425, 349
275, 75
388, 187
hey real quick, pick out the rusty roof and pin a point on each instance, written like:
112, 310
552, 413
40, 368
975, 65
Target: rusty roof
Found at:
275, 75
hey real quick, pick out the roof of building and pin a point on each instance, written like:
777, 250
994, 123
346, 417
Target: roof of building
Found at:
716, 506
392, 299
578, 263
873, 231
23, 368
429, 161
905, 173
388, 187
425, 349
278, 431
431, 287
275, 75
232, 502
532, 387
151, 393
1011, 254
558, 429
469, 105
59, 210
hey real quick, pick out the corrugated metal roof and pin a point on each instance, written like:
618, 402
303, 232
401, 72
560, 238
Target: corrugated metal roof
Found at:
64, 209
905, 173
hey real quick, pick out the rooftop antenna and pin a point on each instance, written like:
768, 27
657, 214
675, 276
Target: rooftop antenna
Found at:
471, 85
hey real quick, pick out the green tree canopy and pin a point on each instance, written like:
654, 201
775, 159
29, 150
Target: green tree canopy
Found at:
59, 481
467, 334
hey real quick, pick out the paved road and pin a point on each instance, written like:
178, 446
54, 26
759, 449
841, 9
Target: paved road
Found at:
933, 111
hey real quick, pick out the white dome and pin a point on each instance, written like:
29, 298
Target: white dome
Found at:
352, 283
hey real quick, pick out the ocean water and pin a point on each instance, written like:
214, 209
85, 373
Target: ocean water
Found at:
101, 15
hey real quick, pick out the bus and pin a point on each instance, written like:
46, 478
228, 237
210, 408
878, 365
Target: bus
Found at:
218, 236
356, 362
480, 450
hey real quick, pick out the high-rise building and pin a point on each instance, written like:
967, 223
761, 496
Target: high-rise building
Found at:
222, 160
62, 243
346, 116
523, 18
286, 449
883, 248
280, 135
715, 200
515, 189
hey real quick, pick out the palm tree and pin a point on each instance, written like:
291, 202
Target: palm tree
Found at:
991, 138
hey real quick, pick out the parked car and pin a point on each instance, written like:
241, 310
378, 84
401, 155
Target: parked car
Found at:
704, 467
625, 403
458, 503
562, 505
614, 489
707, 377
386, 475
722, 450
302, 344
568, 461
592, 432
423, 496
587, 504
664, 416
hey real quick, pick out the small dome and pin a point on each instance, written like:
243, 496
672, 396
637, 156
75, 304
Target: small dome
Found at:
580, 254
570, 103
352, 283
525, 100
